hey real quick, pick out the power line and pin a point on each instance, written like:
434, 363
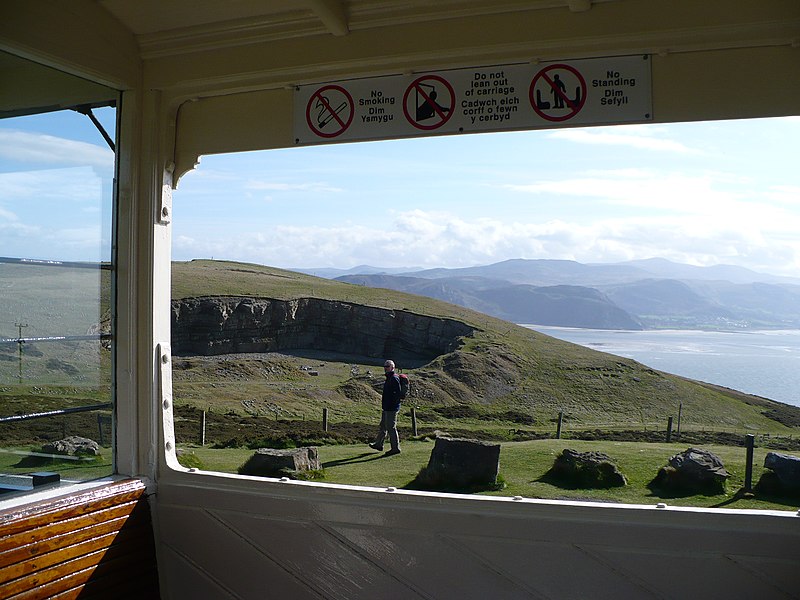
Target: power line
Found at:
20, 327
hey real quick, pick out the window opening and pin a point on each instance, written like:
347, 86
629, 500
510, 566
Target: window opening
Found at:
336, 257
57, 171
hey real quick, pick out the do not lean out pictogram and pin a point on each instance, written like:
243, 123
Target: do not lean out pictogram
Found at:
429, 102
330, 111
558, 92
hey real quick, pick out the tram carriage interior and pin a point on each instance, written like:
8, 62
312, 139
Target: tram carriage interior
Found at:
156, 84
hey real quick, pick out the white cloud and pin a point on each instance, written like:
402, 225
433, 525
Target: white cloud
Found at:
435, 239
276, 186
642, 188
41, 149
7, 215
634, 136
30, 190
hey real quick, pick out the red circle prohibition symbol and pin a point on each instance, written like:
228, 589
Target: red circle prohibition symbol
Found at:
329, 111
425, 105
560, 96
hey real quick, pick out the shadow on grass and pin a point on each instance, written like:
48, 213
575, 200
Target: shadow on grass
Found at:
573, 483
786, 500
427, 482
667, 494
361, 458
37, 462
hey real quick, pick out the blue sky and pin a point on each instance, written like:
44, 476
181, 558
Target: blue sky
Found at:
724, 192
56, 176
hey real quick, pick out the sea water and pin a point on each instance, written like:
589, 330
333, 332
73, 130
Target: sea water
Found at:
764, 363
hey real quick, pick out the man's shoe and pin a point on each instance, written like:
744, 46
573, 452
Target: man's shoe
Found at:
393, 451
376, 447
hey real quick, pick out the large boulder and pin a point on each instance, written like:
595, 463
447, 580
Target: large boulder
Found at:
271, 462
783, 476
72, 446
460, 465
586, 469
692, 471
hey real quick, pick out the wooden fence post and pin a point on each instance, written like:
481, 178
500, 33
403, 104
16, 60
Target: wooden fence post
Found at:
324, 419
203, 429
669, 430
680, 412
414, 420
560, 422
749, 442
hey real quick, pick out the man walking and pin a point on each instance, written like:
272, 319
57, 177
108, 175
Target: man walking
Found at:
390, 405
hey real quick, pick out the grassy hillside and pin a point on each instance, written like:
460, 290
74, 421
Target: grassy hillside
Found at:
503, 377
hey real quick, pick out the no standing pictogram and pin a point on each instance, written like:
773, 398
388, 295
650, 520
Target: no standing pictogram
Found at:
558, 92
429, 102
330, 111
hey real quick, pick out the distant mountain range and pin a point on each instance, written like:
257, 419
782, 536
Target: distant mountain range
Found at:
641, 294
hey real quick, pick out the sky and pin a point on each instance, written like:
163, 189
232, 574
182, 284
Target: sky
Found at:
56, 181
725, 192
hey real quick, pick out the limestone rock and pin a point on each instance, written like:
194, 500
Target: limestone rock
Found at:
693, 470
214, 325
587, 469
460, 464
271, 462
72, 446
783, 476
786, 467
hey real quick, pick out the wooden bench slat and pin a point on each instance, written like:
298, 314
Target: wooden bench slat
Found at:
140, 582
57, 528
96, 543
48, 511
85, 565
33, 552
68, 550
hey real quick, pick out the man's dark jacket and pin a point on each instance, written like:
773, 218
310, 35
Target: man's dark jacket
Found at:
390, 400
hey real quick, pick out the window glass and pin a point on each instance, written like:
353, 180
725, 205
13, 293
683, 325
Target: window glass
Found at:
542, 290
56, 215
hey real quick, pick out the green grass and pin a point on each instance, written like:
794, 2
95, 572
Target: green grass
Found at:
19, 461
522, 465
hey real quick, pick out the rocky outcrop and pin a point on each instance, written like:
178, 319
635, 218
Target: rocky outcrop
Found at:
460, 465
781, 475
72, 446
587, 470
270, 462
693, 470
225, 325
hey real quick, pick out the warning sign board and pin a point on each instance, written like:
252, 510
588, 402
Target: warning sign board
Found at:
429, 102
556, 83
329, 111
497, 98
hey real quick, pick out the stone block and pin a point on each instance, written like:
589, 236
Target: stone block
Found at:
72, 446
587, 469
461, 464
693, 470
783, 476
271, 462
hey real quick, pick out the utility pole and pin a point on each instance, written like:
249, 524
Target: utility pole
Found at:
20, 326
20, 341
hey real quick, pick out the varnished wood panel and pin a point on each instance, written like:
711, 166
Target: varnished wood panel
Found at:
97, 543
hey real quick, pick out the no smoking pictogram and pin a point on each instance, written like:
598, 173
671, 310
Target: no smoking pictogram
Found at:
330, 111
558, 92
429, 102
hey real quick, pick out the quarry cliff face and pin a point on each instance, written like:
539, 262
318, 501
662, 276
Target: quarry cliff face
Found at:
224, 325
